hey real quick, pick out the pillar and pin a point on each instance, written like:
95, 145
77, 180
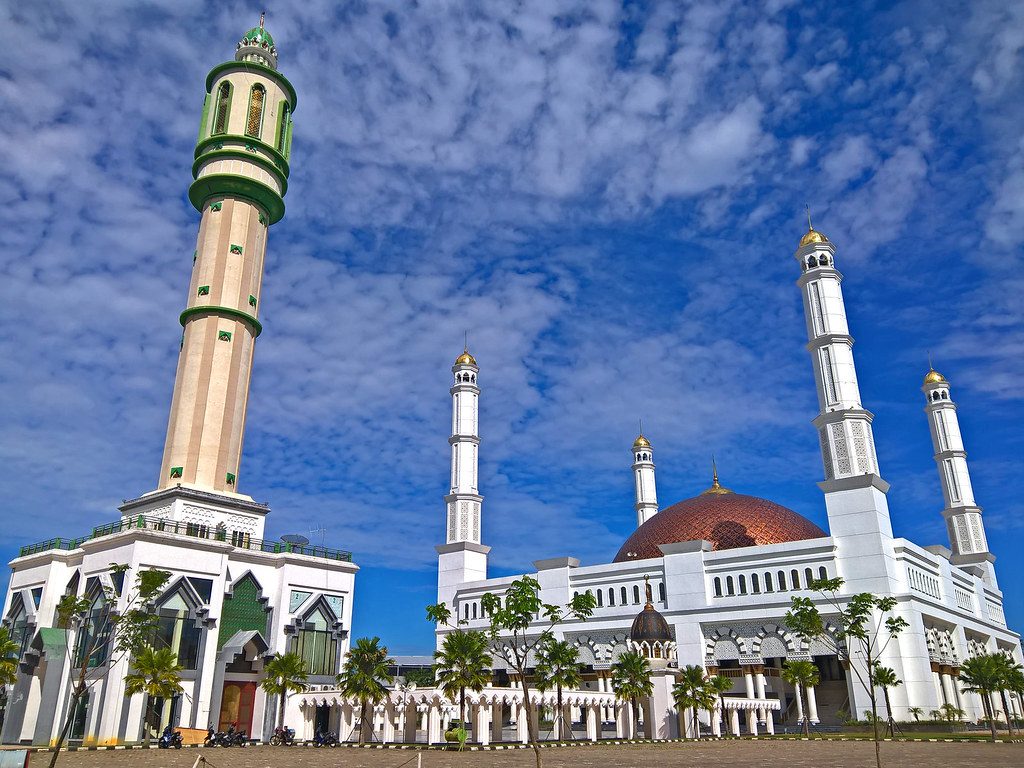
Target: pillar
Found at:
748, 679
716, 722
497, 716
800, 704
812, 705
734, 721
769, 721
388, 734
759, 689
482, 724
752, 722
522, 730
948, 694
411, 716
592, 716
624, 721
434, 724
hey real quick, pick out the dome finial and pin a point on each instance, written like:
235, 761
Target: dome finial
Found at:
716, 488
263, 15
812, 236
465, 358
647, 590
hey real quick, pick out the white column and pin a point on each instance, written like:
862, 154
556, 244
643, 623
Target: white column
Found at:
799, 704
645, 489
716, 721
388, 733
434, 735
734, 721
759, 690
624, 721
752, 722
592, 714
812, 705
464, 500
748, 680
769, 721
497, 715
948, 688
522, 728
482, 724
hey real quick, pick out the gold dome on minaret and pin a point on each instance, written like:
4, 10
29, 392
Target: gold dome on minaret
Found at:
465, 358
641, 442
934, 377
813, 236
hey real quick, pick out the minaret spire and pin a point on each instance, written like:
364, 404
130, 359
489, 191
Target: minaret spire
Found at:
964, 523
464, 499
645, 488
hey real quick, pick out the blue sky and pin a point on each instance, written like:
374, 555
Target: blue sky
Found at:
605, 195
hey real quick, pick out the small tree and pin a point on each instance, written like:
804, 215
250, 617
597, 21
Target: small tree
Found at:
952, 714
463, 662
282, 675
695, 692
721, 685
915, 712
885, 678
631, 681
802, 675
1007, 670
520, 622
157, 674
982, 675
365, 677
863, 631
104, 627
558, 667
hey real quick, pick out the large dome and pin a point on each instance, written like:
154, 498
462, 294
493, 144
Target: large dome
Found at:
728, 520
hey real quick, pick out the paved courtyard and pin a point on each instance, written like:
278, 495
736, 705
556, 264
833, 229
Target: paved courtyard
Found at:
735, 754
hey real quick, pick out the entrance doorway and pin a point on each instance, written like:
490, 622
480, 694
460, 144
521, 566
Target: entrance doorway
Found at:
236, 705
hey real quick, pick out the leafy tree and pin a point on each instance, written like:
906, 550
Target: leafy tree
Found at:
721, 686
422, 677
695, 692
951, 714
365, 677
104, 628
916, 713
8, 666
157, 674
631, 681
801, 675
284, 674
558, 667
520, 622
885, 678
983, 675
1008, 669
1015, 682
463, 662
865, 627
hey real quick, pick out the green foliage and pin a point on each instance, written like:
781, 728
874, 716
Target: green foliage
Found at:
695, 692
282, 675
801, 675
558, 667
365, 677
984, 675
155, 673
8, 658
631, 680
422, 677
463, 662
916, 712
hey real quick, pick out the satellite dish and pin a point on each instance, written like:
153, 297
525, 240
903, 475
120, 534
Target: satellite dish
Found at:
295, 538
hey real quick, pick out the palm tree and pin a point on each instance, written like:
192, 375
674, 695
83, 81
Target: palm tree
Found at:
982, 675
916, 713
801, 675
157, 674
284, 674
463, 662
1007, 669
631, 680
8, 658
720, 685
695, 692
558, 666
1015, 683
365, 677
885, 678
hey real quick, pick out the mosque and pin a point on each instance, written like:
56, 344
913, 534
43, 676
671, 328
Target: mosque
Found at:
234, 598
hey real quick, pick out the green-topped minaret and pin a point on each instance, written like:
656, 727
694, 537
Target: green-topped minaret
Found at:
241, 177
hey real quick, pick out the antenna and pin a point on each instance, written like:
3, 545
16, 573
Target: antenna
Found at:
320, 531
262, 15
465, 342
930, 366
808, 209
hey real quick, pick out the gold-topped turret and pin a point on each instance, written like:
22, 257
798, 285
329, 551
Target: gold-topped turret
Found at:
641, 442
934, 377
812, 236
465, 358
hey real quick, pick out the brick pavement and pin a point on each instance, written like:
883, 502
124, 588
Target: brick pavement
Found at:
731, 754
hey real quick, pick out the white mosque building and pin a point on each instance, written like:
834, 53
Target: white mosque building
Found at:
724, 565
234, 599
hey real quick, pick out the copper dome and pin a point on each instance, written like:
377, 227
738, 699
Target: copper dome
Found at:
650, 626
728, 520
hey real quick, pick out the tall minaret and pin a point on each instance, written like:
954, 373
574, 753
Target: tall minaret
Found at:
643, 476
241, 176
462, 558
858, 512
962, 514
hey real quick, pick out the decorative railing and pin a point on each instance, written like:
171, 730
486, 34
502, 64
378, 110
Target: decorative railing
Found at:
236, 539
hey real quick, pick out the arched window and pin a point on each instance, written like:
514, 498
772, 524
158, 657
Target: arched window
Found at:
794, 576
94, 636
624, 595
718, 587
317, 644
729, 585
254, 122
755, 584
244, 609
808, 577
17, 619
176, 629
223, 108
474, 610
661, 591
636, 594
743, 585
611, 596
782, 581
822, 573
768, 582
465, 611
575, 594
282, 127
600, 599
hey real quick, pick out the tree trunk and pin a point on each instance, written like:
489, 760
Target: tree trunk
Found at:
280, 707
807, 712
531, 732
696, 721
363, 722
462, 708
1006, 712
986, 700
76, 696
874, 723
146, 720
888, 712
558, 715
636, 718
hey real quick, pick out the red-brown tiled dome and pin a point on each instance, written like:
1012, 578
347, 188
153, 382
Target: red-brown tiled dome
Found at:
728, 520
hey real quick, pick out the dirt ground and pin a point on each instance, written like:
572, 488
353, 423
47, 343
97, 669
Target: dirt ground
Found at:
734, 754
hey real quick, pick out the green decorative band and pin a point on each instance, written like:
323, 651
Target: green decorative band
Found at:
236, 249
230, 478
256, 192
234, 314
276, 162
204, 290
176, 471
216, 206
224, 335
252, 67
262, 162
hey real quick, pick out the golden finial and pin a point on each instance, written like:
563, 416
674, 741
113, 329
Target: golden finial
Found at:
716, 489
933, 376
647, 590
812, 235
262, 16
808, 209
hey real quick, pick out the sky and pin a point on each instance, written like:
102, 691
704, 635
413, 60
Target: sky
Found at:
605, 196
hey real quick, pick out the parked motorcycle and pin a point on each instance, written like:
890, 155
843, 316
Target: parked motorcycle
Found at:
169, 738
283, 736
217, 739
237, 738
326, 739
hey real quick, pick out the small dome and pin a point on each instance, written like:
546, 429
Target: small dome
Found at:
258, 36
465, 358
813, 236
934, 377
641, 442
650, 626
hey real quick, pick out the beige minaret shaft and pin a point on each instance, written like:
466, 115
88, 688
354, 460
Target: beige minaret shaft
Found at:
211, 388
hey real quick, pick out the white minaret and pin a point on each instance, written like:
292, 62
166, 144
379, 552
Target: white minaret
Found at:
643, 477
462, 558
858, 512
962, 514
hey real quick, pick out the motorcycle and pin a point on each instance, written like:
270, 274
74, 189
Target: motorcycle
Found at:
169, 738
217, 739
326, 739
237, 738
283, 736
